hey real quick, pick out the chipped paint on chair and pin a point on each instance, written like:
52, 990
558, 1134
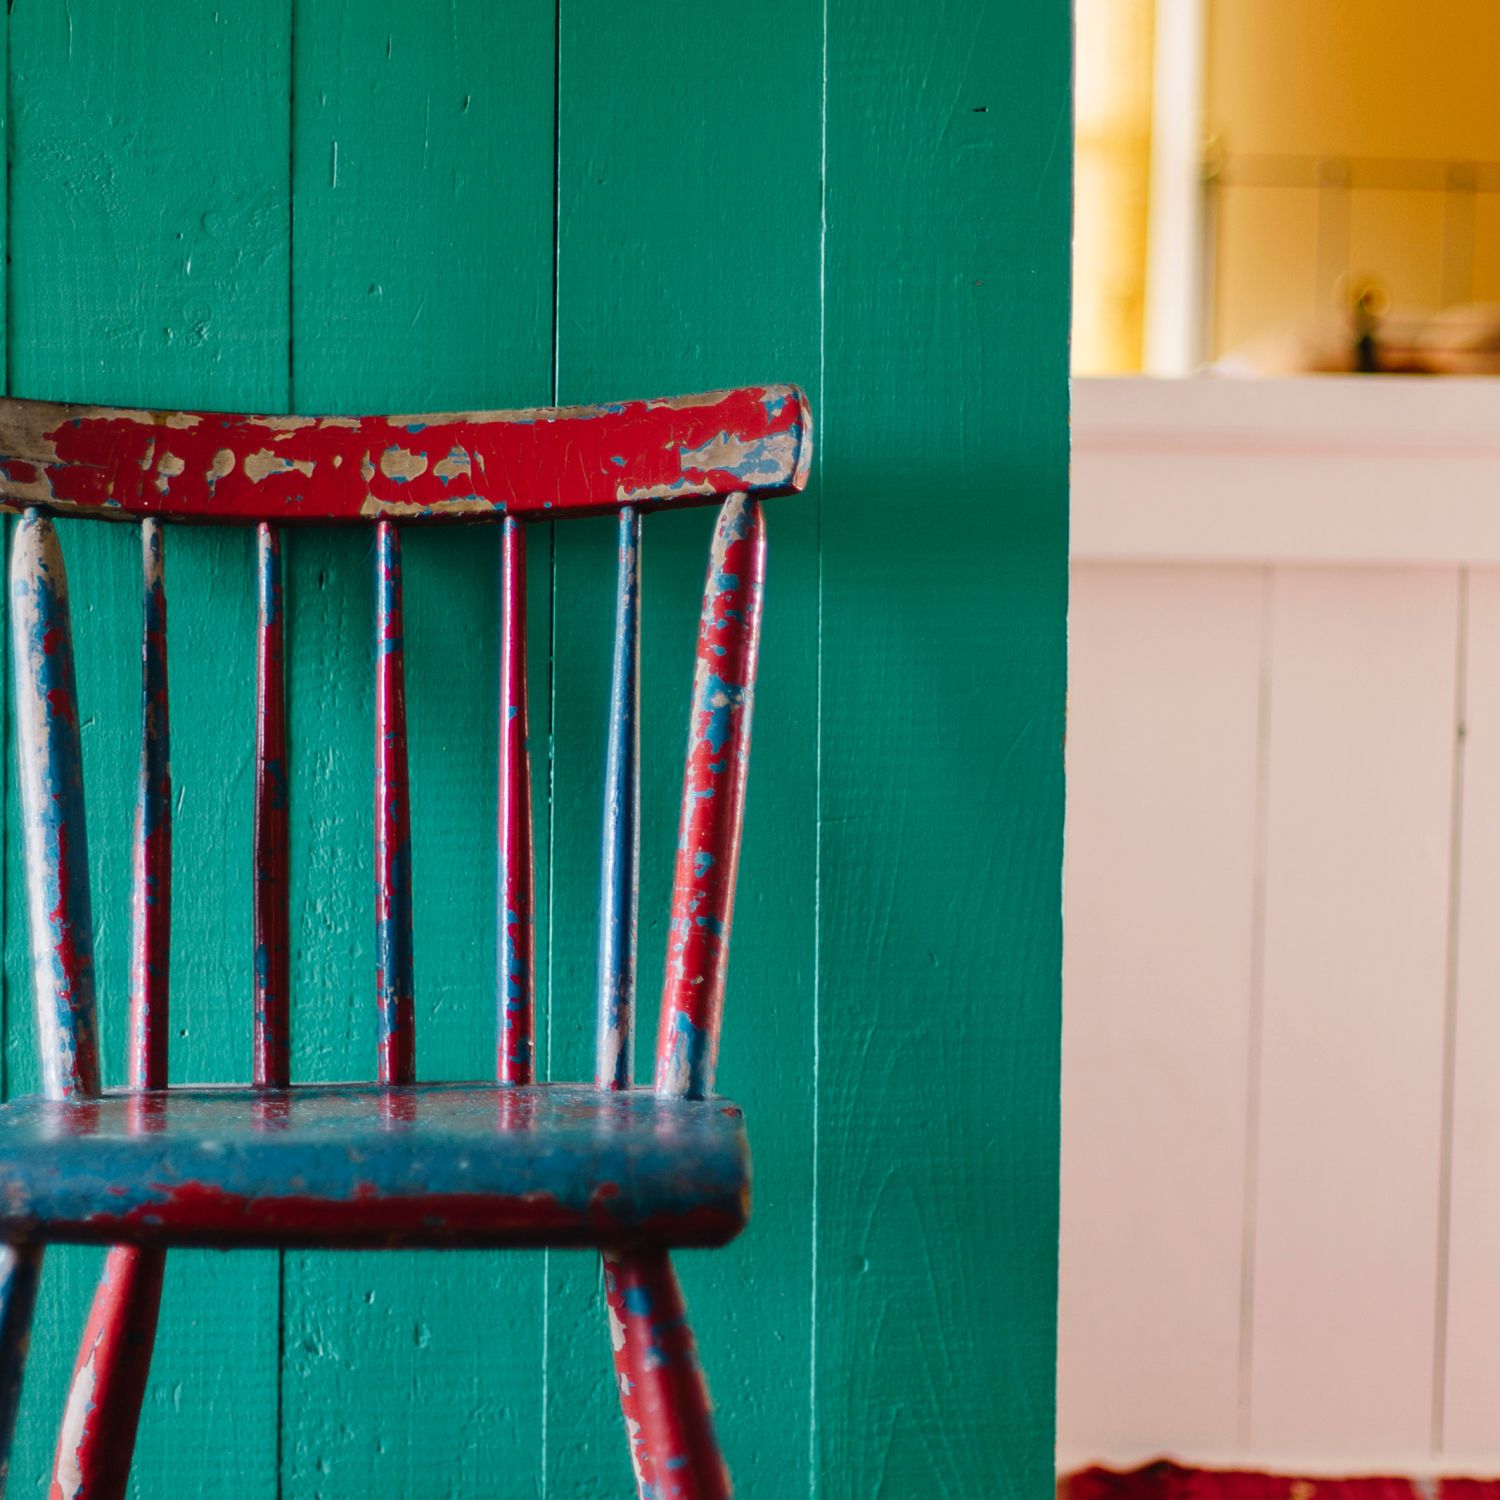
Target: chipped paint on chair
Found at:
632, 1172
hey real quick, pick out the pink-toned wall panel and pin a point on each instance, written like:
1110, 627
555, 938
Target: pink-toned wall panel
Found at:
1162, 737
1365, 1074
1348, 1154
1278, 1296
1469, 1414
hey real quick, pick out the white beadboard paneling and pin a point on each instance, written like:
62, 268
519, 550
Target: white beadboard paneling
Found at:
1358, 842
1162, 740
1470, 1435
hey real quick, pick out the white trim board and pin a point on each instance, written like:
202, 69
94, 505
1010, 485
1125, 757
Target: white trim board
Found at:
1304, 469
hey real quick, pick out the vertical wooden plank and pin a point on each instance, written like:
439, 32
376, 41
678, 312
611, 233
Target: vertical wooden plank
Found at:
19, 1270
148, 264
645, 309
422, 280
1465, 1432
944, 452
1359, 801
1164, 696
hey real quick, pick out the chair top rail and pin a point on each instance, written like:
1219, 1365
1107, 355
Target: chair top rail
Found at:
125, 464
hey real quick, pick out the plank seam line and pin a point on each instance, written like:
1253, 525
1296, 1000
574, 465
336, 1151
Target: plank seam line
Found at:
5, 710
556, 193
817, 964
288, 637
1256, 1006
556, 334
551, 904
1450, 1018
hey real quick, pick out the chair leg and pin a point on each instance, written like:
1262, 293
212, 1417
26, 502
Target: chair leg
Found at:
97, 1437
20, 1269
668, 1415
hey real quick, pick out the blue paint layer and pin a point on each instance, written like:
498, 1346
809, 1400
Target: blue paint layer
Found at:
437, 1163
20, 1270
62, 941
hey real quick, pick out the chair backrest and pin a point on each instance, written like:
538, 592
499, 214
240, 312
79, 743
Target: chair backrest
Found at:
733, 447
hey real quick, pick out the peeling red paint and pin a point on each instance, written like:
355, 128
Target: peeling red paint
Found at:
515, 918
369, 1166
396, 1043
200, 1214
96, 1438
207, 466
713, 804
271, 972
663, 1395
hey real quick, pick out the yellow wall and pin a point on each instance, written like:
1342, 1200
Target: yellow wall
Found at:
1112, 172
1290, 82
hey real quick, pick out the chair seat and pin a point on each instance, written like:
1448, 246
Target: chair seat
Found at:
359, 1166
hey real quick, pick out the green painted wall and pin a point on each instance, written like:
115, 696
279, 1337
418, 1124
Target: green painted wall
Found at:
315, 205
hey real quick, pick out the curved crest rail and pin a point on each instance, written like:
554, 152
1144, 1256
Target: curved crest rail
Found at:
124, 463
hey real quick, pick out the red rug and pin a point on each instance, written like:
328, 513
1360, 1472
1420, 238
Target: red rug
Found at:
1169, 1481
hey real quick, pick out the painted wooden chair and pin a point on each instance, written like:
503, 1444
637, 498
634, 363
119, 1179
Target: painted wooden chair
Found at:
635, 1173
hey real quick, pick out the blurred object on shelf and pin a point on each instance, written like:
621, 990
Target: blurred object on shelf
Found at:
1369, 302
1367, 339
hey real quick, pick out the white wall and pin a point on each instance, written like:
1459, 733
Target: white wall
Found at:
1281, 1078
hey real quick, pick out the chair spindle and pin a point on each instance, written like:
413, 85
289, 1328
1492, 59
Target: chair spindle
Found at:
515, 1062
96, 1439
57, 883
151, 886
271, 904
663, 1394
713, 803
57, 861
20, 1271
393, 932
619, 876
